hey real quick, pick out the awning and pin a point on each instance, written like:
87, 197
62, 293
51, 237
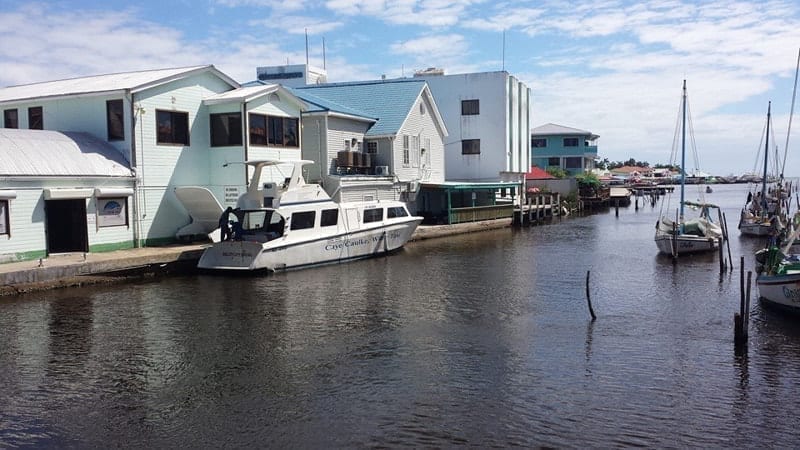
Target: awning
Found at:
67, 193
6, 194
113, 192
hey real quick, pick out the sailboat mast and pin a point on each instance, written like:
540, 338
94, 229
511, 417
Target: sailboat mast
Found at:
683, 151
766, 155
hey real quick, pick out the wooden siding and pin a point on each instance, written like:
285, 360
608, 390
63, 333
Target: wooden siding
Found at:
27, 219
424, 126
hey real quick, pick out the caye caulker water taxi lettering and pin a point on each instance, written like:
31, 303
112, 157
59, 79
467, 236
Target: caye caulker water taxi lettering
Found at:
351, 243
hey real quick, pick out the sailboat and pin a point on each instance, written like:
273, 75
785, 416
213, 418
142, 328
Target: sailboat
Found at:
682, 236
763, 207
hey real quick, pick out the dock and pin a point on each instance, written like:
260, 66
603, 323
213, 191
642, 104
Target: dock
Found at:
81, 269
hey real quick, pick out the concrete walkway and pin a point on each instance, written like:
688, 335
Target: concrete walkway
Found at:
75, 269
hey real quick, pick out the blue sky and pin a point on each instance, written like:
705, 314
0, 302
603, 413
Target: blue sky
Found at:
611, 67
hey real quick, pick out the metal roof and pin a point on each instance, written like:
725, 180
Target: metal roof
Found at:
55, 153
133, 81
389, 101
553, 129
317, 104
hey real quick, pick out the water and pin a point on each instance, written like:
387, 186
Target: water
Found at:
483, 340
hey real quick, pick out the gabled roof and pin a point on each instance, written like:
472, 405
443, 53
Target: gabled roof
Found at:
126, 81
252, 92
549, 129
388, 101
55, 153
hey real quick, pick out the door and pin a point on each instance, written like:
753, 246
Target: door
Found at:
65, 222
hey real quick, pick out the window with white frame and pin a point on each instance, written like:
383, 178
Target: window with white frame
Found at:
426, 153
5, 229
406, 150
415, 150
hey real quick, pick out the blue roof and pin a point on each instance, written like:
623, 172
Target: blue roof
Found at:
389, 101
320, 104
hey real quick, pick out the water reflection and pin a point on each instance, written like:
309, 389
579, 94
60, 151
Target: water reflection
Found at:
481, 340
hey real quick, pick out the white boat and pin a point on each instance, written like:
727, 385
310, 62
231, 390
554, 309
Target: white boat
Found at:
778, 280
762, 211
298, 225
682, 236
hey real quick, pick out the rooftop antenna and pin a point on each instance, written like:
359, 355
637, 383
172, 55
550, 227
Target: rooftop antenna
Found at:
324, 66
306, 48
504, 49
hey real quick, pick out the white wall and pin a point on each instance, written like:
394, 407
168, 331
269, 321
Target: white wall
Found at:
501, 126
429, 166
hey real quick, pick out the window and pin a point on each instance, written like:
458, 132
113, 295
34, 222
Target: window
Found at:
470, 107
226, 129
372, 147
4, 227
396, 211
538, 142
554, 161
573, 162
172, 127
10, 118
35, 118
471, 147
406, 152
570, 142
112, 212
421, 108
303, 220
258, 129
114, 120
329, 217
373, 215
274, 131
283, 131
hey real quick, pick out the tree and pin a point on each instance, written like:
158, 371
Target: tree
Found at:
557, 172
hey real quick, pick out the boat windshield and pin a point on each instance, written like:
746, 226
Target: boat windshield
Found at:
262, 220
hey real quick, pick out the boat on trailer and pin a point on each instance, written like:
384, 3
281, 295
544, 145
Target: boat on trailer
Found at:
292, 225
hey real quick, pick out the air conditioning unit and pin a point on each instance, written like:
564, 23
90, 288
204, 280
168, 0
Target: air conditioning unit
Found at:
382, 170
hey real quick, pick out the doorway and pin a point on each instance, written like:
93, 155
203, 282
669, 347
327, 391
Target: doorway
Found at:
66, 226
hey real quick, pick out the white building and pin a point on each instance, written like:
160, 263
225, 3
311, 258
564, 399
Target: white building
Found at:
488, 118
191, 126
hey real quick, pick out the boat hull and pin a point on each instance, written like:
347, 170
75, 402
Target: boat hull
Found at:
685, 244
782, 291
288, 254
755, 228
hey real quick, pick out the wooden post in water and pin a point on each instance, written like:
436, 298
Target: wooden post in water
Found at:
746, 316
589, 297
616, 207
728, 241
739, 329
720, 241
636, 202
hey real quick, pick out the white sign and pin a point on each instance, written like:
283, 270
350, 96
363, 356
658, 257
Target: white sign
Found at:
231, 195
112, 212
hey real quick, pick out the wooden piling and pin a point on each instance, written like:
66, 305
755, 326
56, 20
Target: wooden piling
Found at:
720, 242
616, 207
589, 297
742, 318
728, 240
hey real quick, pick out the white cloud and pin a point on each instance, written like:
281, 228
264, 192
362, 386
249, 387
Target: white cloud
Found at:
430, 13
298, 24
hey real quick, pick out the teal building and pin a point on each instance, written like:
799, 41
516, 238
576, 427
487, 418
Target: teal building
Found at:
568, 148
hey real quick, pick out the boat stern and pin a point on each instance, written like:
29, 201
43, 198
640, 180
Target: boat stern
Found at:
231, 255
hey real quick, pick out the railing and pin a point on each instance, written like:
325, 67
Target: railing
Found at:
474, 214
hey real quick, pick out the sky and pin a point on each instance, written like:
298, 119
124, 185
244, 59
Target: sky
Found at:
614, 68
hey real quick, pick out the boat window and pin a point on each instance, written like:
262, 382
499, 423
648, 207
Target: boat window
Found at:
329, 217
396, 211
373, 215
253, 220
303, 220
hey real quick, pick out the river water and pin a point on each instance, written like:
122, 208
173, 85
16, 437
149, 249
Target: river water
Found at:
480, 340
